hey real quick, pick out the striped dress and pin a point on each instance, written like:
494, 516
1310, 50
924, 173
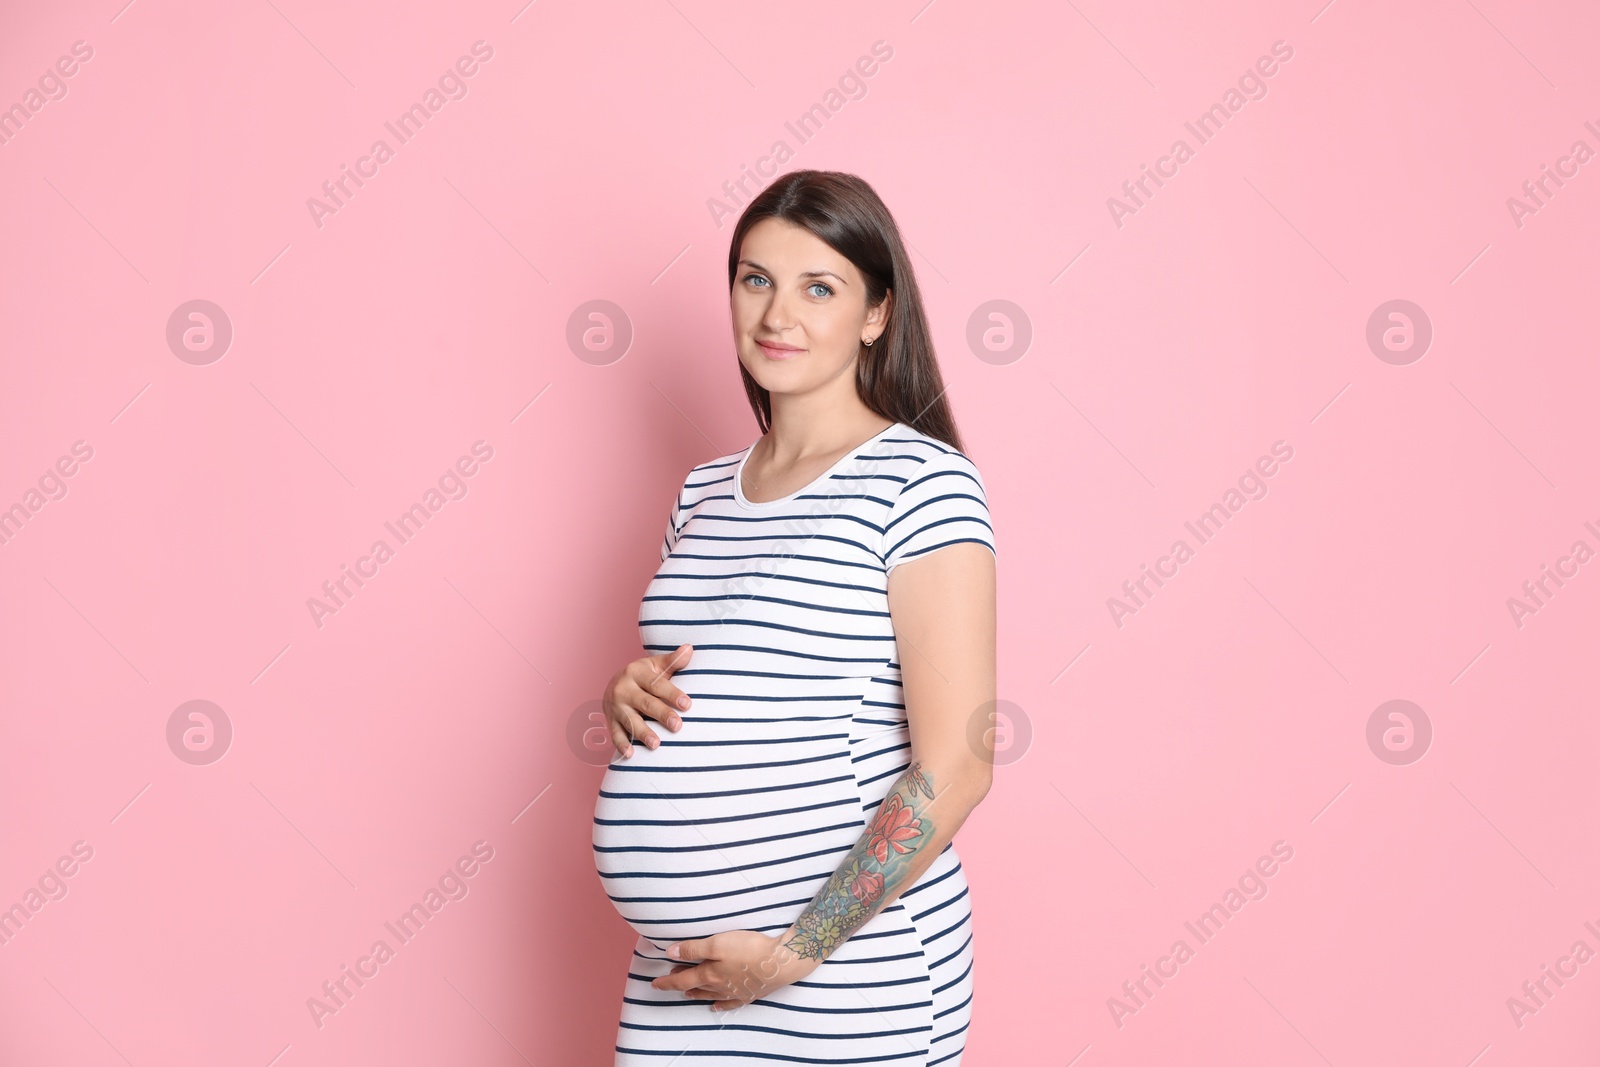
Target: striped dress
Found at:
796, 733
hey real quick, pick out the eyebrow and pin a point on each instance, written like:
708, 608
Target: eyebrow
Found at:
804, 274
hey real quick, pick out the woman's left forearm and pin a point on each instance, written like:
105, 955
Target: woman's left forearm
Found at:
916, 820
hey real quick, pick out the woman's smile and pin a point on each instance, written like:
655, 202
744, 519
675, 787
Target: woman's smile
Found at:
778, 350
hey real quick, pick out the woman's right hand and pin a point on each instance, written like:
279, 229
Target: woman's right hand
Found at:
640, 689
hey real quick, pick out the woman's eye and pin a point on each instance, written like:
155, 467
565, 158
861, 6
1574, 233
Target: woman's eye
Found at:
761, 282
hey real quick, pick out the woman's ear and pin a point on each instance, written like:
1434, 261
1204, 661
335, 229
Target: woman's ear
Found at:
879, 316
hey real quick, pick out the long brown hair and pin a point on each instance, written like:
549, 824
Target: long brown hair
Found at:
897, 376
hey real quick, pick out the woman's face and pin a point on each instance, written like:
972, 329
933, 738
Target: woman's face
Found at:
799, 310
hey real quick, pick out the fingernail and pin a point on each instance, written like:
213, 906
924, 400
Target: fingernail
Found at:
676, 722
672, 951
683, 702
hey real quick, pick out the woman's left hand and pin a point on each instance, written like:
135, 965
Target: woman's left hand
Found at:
734, 967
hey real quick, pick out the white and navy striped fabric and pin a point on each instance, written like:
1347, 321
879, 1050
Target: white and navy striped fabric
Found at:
796, 733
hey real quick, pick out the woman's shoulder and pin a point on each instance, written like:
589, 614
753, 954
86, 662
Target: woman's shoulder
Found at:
712, 472
921, 454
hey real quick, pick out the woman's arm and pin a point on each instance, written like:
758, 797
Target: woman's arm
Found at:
942, 607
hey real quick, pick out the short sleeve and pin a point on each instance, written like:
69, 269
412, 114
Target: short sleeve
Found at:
942, 504
669, 539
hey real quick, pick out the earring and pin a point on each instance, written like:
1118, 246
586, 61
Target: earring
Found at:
867, 342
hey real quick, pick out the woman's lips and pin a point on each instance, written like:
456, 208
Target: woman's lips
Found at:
779, 353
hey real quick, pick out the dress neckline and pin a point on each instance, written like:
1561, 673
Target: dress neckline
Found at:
754, 505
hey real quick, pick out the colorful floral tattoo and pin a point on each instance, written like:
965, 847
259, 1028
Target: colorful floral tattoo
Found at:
878, 865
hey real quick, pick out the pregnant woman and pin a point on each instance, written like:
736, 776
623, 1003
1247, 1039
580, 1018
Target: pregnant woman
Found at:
821, 657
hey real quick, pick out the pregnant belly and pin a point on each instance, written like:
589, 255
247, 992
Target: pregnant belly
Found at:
727, 825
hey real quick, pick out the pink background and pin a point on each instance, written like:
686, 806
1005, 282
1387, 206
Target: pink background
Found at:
1228, 312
